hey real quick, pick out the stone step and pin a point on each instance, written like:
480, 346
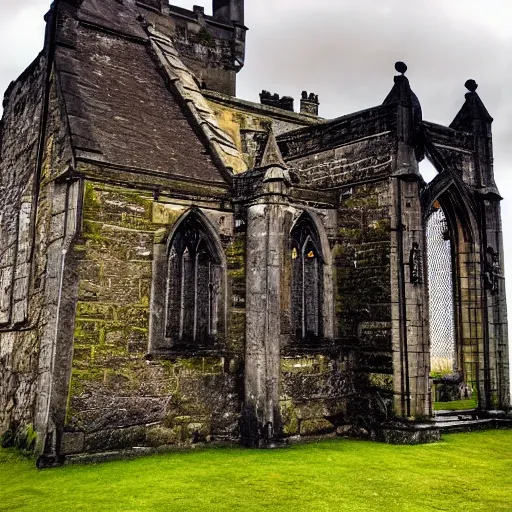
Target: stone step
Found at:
470, 425
503, 422
454, 419
430, 431
464, 412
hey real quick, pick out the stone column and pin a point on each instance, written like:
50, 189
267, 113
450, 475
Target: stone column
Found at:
488, 292
57, 333
410, 306
497, 394
265, 250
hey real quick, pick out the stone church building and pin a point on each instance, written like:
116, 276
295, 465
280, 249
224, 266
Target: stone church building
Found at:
178, 265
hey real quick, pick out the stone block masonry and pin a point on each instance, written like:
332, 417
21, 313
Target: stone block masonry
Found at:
180, 266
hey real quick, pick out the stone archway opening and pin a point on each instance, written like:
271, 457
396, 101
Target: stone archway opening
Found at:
443, 346
452, 388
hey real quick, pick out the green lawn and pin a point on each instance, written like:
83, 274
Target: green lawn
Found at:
463, 473
457, 405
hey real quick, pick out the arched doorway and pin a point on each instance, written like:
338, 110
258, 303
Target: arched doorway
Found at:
443, 345
454, 291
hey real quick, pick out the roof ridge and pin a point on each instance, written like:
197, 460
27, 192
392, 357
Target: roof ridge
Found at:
220, 143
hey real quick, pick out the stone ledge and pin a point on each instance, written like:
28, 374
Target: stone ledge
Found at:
419, 434
139, 451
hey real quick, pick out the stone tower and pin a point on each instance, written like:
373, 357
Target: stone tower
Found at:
229, 11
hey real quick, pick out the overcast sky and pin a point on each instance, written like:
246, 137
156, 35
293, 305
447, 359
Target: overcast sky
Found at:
345, 50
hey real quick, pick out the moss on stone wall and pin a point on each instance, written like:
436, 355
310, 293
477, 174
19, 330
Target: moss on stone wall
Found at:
112, 383
235, 257
362, 257
363, 293
314, 393
236, 122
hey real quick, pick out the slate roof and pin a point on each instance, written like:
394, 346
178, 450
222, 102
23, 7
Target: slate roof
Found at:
185, 84
119, 108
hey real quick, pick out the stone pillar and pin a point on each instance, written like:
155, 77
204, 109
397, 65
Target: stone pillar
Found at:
57, 333
261, 424
309, 103
497, 385
491, 331
264, 264
410, 305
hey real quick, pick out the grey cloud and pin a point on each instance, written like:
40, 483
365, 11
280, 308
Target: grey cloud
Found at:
10, 6
348, 53
21, 36
345, 51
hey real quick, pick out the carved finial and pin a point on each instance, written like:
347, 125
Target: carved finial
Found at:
401, 67
272, 156
471, 85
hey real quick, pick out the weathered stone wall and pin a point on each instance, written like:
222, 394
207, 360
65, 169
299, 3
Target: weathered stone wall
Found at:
346, 379
212, 51
363, 289
353, 162
315, 393
25, 354
340, 140
362, 262
19, 143
359, 161
119, 398
19, 146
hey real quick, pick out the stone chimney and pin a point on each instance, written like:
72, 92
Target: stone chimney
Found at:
274, 100
309, 103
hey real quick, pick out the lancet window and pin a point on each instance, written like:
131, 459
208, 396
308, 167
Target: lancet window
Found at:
192, 286
307, 281
441, 292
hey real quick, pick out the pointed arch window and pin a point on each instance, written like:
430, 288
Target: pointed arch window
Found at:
442, 312
193, 283
307, 281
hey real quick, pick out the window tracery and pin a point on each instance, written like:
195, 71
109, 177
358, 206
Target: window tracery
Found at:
307, 281
192, 286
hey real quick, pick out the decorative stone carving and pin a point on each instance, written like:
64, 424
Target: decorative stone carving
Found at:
492, 270
415, 264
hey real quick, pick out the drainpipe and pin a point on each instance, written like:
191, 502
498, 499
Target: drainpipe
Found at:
63, 255
50, 455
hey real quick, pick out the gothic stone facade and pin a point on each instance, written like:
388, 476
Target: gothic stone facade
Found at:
179, 265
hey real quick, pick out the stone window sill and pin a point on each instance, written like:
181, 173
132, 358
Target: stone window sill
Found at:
309, 347
185, 352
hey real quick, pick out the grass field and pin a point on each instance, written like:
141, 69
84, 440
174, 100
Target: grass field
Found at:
463, 473
458, 405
